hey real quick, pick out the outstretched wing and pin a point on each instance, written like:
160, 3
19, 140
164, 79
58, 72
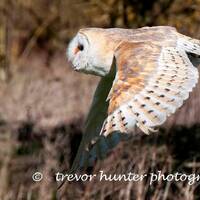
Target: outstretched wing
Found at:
151, 82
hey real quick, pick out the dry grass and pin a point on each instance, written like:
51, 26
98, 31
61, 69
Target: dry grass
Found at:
140, 156
44, 103
47, 128
46, 95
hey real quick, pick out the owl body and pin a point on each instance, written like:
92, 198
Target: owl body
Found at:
153, 72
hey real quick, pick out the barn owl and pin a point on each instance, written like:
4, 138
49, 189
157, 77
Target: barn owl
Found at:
146, 76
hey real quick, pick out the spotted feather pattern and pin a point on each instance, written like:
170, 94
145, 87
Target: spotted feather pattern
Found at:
171, 78
188, 44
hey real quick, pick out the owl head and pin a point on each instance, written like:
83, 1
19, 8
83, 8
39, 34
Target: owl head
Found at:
91, 51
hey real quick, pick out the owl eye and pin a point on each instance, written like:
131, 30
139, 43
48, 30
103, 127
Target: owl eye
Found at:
80, 47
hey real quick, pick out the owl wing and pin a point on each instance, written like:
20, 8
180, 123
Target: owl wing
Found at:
98, 112
151, 82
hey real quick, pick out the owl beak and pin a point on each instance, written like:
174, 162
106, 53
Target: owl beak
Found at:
76, 50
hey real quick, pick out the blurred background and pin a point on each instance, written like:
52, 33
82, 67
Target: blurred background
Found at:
43, 102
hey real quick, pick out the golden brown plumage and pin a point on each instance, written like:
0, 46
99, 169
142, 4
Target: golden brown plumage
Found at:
154, 75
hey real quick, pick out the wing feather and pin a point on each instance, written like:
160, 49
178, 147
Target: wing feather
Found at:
189, 44
151, 83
